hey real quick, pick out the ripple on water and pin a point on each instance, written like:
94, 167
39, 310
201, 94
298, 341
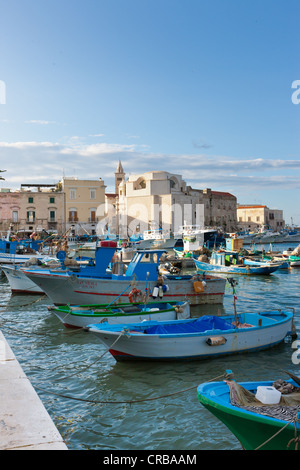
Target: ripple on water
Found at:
67, 363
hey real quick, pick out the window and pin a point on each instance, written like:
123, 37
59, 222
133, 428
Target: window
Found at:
72, 193
52, 216
15, 216
73, 217
52, 200
30, 200
141, 184
257, 218
92, 193
30, 216
93, 215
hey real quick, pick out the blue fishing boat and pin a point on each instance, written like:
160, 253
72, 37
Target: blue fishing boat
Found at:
281, 262
230, 262
19, 251
205, 337
95, 283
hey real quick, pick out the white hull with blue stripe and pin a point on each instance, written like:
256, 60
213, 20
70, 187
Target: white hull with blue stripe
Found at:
201, 338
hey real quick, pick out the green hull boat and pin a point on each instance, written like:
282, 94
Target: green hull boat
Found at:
257, 425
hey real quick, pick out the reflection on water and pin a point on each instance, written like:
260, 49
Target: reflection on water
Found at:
72, 363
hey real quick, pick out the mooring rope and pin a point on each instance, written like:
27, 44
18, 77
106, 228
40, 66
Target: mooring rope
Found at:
111, 402
295, 439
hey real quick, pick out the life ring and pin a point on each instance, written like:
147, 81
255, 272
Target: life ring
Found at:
135, 295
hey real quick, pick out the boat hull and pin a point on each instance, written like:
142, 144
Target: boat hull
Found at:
244, 270
80, 317
19, 283
135, 345
251, 429
77, 290
12, 258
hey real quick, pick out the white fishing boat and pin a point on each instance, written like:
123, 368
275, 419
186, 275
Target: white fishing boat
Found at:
18, 281
205, 337
94, 283
293, 256
80, 316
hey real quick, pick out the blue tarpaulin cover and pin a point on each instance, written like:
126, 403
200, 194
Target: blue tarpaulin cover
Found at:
207, 322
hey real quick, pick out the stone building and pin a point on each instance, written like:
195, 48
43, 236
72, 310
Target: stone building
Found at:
253, 217
159, 199
33, 208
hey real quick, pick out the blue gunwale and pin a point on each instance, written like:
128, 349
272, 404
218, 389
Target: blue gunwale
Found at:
217, 395
139, 327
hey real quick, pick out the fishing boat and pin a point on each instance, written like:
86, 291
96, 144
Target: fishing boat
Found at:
96, 281
294, 260
293, 256
205, 337
231, 263
282, 263
81, 316
262, 415
16, 252
19, 283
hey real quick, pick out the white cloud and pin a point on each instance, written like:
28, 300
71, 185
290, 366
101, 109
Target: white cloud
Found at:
32, 161
40, 121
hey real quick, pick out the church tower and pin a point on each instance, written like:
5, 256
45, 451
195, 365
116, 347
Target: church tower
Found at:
119, 177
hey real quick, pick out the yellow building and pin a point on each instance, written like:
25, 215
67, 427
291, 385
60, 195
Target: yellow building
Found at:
84, 204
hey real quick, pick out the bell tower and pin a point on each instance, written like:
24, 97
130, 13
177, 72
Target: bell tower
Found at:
119, 177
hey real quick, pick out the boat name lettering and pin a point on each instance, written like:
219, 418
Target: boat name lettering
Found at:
87, 283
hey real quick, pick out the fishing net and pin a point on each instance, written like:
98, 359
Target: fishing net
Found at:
296, 251
286, 409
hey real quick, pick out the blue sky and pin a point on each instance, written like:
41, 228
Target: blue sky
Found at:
201, 88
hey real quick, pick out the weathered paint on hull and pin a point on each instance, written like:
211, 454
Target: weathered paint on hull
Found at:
190, 347
19, 283
75, 290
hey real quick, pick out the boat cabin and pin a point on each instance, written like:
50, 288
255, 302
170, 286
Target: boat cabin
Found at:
225, 258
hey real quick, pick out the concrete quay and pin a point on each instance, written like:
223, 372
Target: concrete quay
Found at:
24, 422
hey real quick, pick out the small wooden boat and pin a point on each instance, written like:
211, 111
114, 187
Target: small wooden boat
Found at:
79, 316
204, 337
231, 262
253, 414
294, 260
293, 256
281, 263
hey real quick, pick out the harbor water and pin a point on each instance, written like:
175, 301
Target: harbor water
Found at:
98, 404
